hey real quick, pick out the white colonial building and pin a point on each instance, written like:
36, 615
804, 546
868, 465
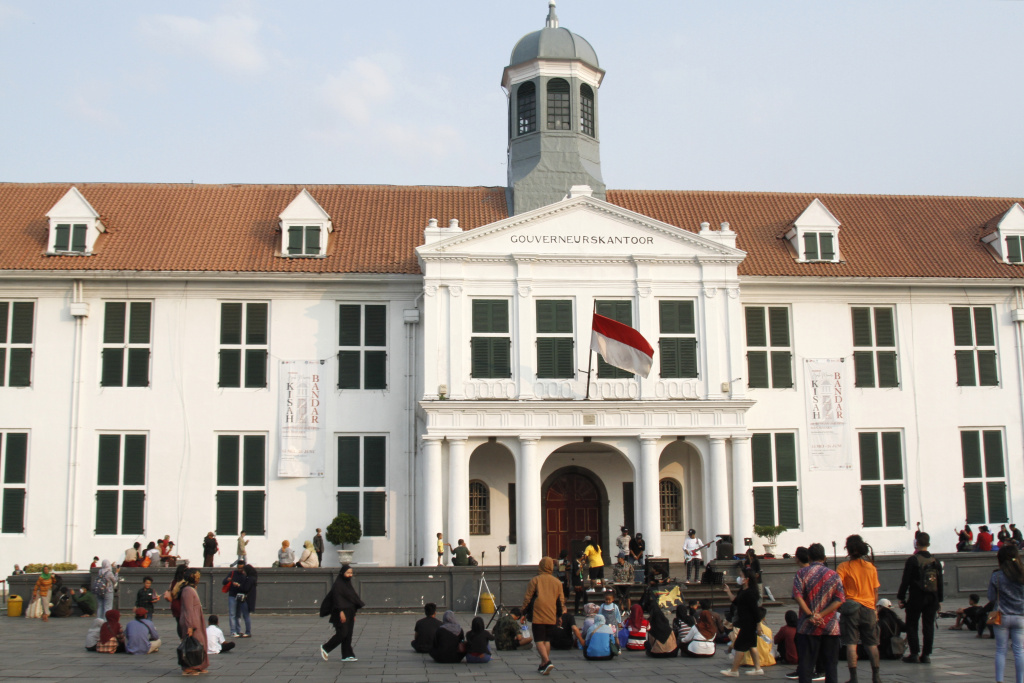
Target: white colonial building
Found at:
830, 363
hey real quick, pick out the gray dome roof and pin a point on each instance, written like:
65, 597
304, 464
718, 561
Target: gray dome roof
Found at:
552, 42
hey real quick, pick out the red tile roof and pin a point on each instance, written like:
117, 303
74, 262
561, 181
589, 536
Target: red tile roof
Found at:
234, 228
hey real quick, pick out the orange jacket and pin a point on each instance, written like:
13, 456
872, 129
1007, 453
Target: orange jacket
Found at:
546, 593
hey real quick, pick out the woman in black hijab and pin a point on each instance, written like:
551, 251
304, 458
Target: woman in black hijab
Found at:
661, 641
344, 603
448, 645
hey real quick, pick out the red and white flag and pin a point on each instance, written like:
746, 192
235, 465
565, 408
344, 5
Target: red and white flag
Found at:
622, 346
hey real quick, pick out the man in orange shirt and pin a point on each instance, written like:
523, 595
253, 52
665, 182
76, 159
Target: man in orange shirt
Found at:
857, 616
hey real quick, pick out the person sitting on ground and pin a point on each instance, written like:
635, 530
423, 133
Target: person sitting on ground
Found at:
764, 644
589, 612
567, 635
661, 641
508, 633
140, 636
968, 616
61, 603
285, 556
461, 557
638, 627
721, 630
622, 572
308, 560
111, 635
699, 640
652, 593
92, 636
984, 543
889, 626
683, 621
447, 641
602, 643
610, 611
785, 639
478, 651
426, 628
85, 601
215, 641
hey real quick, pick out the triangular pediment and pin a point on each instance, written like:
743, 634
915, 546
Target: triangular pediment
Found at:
305, 208
816, 216
1012, 220
584, 227
73, 205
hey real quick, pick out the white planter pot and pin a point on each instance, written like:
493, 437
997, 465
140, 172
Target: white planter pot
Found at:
345, 556
769, 548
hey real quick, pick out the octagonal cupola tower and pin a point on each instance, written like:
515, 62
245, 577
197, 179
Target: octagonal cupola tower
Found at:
553, 143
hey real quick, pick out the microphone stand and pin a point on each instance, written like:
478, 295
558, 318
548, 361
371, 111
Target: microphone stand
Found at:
835, 556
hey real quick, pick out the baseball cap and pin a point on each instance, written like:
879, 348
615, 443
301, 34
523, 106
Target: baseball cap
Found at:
885, 602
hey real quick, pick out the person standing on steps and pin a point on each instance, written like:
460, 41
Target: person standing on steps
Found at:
920, 595
545, 591
318, 547
344, 603
210, 548
241, 551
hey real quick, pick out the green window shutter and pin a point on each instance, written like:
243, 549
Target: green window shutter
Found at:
761, 456
996, 491
502, 355
988, 375
764, 505
4, 310
253, 518
313, 240
810, 246
21, 368
513, 521
555, 359
376, 370
480, 357
757, 369
984, 333
778, 326
349, 324
491, 357
871, 505
546, 357
1013, 250
620, 311
375, 461
861, 326
133, 512
348, 503
887, 375
895, 512
376, 333
349, 369
785, 457
78, 237
256, 324
139, 322
864, 368
757, 332
628, 505
109, 460
676, 317
490, 315
974, 495
16, 458
554, 316
348, 461
374, 513
789, 507
668, 352
62, 242
254, 450
12, 519
688, 357
138, 367
227, 513
227, 460
112, 373
606, 371
22, 314
106, 512
892, 455
135, 459
255, 368
993, 443
869, 470
970, 448
828, 252
3, 366
113, 322
782, 370
294, 239
231, 323
565, 358
965, 369
230, 368
962, 335
885, 327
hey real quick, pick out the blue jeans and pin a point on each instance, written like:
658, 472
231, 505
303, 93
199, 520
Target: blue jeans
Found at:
1012, 627
237, 611
104, 604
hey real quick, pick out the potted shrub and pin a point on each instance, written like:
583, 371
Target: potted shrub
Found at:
771, 535
343, 530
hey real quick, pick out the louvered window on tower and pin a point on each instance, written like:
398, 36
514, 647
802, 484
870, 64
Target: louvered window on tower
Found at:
587, 110
126, 344
362, 342
362, 481
304, 240
975, 342
559, 109
776, 495
17, 320
819, 246
677, 345
13, 468
769, 348
243, 345
526, 108
874, 343
491, 345
556, 352
241, 497
984, 476
882, 491
121, 485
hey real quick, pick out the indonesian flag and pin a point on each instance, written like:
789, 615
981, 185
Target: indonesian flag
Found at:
622, 346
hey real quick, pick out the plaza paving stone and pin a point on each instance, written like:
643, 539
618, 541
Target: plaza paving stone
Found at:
285, 648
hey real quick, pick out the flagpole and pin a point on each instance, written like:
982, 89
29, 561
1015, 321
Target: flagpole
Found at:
590, 352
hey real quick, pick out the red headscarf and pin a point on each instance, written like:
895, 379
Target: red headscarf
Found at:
636, 618
112, 628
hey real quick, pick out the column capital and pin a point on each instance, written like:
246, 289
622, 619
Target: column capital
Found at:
433, 437
717, 437
529, 437
740, 437
457, 437
649, 438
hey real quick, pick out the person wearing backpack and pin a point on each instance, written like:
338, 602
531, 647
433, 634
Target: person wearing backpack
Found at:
920, 595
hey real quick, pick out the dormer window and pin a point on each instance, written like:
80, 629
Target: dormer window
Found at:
815, 235
1008, 238
559, 114
74, 225
1013, 252
304, 228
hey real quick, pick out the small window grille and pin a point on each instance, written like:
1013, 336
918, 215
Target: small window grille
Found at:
671, 497
559, 110
479, 509
526, 108
587, 110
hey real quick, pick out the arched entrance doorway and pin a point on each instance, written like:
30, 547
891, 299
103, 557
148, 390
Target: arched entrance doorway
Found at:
574, 506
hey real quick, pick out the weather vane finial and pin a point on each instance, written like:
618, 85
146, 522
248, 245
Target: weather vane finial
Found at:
552, 21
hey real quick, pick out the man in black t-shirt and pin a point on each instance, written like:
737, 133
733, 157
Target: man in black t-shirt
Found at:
426, 628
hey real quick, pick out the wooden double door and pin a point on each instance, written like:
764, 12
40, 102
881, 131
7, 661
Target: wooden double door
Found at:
572, 510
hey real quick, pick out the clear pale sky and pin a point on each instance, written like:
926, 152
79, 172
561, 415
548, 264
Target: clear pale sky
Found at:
908, 97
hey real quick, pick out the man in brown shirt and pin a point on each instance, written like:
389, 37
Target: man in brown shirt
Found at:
545, 592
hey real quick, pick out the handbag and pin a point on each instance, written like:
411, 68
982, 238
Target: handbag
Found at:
190, 652
995, 617
899, 646
240, 597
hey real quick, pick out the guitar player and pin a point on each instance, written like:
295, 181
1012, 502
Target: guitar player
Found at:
691, 551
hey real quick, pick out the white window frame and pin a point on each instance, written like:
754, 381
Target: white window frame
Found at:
362, 348
482, 513
241, 487
362, 489
127, 344
775, 483
985, 479
8, 344
23, 486
121, 487
882, 481
243, 346
664, 508
304, 226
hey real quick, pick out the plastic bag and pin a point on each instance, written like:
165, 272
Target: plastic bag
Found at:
190, 652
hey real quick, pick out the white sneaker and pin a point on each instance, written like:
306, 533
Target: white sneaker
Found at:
323, 653
730, 673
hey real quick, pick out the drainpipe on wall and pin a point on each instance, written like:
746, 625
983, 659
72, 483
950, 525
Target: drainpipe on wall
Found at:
79, 310
412, 318
1017, 316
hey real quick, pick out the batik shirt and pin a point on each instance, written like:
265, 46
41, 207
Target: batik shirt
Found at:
819, 586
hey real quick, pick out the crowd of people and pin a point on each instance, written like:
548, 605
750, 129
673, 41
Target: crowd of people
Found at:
985, 541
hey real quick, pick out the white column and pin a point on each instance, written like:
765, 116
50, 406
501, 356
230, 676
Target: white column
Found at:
742, 491
432, 520
649, 523
458, 490
718, 490
528, 509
